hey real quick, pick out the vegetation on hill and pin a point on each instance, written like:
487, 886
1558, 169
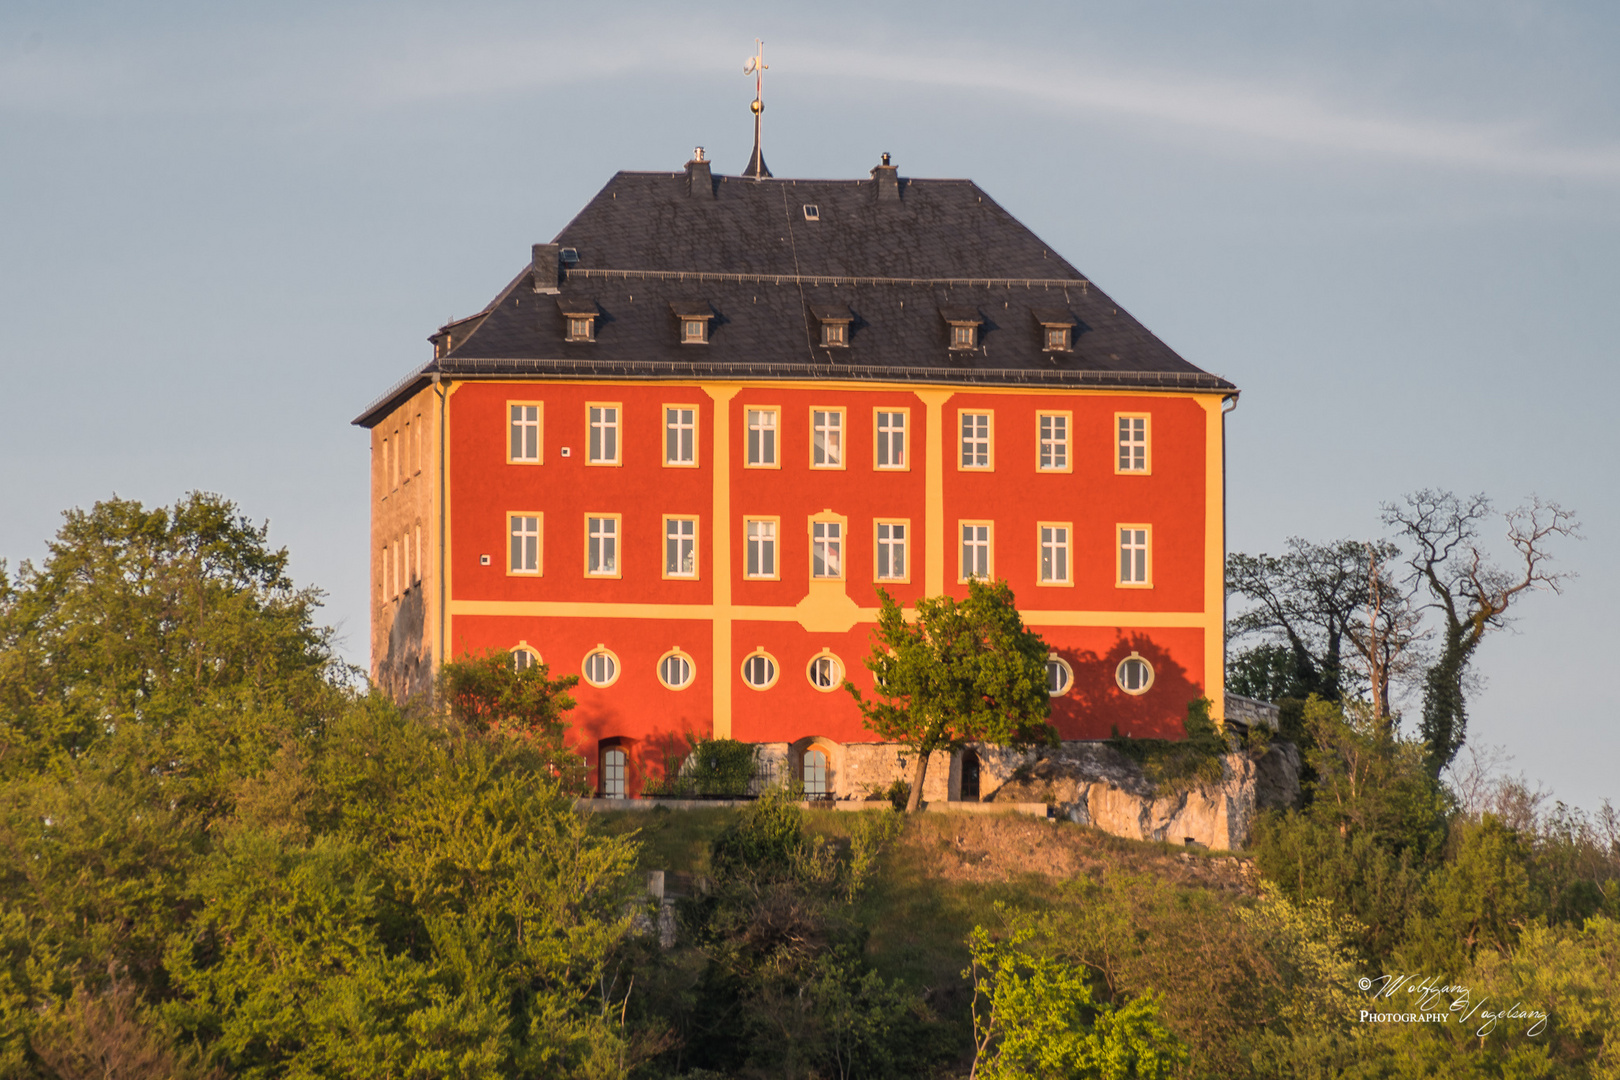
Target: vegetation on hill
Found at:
220, 855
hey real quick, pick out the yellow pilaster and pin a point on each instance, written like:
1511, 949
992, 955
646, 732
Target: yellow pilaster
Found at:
721, 530
934, 492
1214, 558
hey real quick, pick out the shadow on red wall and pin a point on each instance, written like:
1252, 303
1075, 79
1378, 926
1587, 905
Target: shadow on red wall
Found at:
1096, 706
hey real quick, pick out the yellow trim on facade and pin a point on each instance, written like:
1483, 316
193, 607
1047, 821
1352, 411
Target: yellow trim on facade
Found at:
934, 491
1214, 556
720, 610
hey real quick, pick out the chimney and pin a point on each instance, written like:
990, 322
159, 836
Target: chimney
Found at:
887, 178
547, 261
699, 181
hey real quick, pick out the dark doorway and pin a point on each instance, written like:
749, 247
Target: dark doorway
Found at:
970, 776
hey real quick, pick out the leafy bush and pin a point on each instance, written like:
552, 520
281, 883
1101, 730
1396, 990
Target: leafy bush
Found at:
1180, 762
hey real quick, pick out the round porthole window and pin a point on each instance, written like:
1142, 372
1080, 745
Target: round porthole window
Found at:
523, 658
1059, 676
826, 672
759, 670
675, 670
601, 667
1134, 674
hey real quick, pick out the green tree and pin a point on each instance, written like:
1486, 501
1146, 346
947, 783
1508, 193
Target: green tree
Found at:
960, 672
488, 694
1034, 1019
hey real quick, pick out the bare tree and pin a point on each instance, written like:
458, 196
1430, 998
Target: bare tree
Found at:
1471, 593
1386, 639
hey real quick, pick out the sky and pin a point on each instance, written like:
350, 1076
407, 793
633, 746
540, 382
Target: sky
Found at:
225, 228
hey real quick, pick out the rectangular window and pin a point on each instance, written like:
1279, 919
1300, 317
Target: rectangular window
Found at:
759, 535
417, 446
1054, 541
523, 432
975, 441
827, 549
1053, 437
891, 440
680, 547
680, 435
1133, 443
975, 550
382, 577
827, 438
417, 564
603, 435
524, 556
1135, 562
396, 570
891, 550
962, 336
602, 546
762, 439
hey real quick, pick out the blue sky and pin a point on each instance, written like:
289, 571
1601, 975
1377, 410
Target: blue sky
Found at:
225, 228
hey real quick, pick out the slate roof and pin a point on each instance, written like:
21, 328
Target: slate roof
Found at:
650, 245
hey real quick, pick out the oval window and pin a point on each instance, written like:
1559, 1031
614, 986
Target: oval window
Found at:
1059, 676
826, 672
601, 667
675, 670
759, 671
1134, 674
524, 658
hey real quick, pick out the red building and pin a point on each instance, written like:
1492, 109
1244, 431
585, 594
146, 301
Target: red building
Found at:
680, 453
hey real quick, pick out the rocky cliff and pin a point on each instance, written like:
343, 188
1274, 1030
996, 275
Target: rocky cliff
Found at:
1093, 784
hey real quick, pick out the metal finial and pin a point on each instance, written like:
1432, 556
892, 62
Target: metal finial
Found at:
757, 67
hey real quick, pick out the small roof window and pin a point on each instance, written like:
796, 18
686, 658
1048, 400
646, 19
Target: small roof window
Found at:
579, 318
812, 212
964, 323
696, 316
1057, 329
569, 256
835, 320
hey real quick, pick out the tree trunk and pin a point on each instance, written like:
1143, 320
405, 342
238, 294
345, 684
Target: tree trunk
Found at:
919, 773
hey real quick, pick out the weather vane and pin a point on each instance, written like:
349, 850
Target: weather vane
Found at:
756, 67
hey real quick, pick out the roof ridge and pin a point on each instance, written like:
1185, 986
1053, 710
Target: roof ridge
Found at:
585, 273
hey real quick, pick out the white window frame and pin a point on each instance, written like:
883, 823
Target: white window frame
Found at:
615, 768
585, 667
893, 544
524, 656
825, 422
1133, 456
771, 543
1068, 675
827, 538
884, 437
775, 669
980, 440
524, 433
1119, 674
681, 424
1054, 453
769, 433
1133, 558
819, 662
677, 653
602, 429
518, 564
1054, 544
688, 538
987, 542
604, 539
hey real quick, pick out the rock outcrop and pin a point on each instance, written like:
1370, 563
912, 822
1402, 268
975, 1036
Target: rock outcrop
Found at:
1093, 784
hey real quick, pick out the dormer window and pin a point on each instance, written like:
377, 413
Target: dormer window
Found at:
695, 319
964, 323
812, 212
835, 320
1057, 329
579, 319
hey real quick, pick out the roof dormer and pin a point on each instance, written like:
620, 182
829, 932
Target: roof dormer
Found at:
835, 320
964, 323
579, 319
1057, 329
695, 318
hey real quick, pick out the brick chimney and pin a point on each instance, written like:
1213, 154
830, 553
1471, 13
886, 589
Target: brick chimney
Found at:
887, 179
699, 181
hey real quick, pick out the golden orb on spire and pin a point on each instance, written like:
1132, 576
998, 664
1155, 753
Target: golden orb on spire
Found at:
758, 106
